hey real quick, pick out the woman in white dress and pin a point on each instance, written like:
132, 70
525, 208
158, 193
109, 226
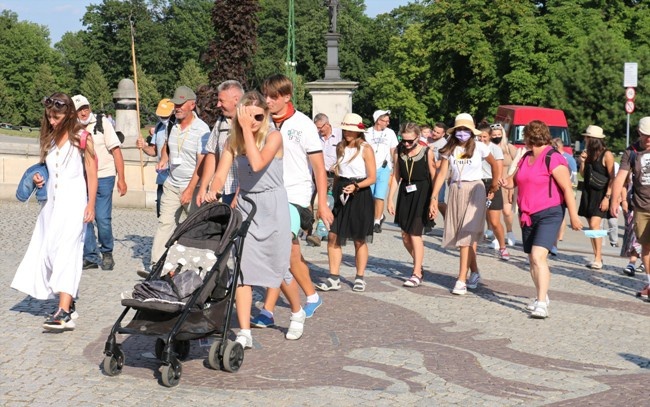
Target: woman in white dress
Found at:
52, 264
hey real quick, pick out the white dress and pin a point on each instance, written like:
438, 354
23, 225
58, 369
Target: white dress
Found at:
53, 260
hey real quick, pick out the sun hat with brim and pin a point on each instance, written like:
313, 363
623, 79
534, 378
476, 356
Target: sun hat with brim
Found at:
353, 122
644, 126
464, 120
594, 132
182, 94
165, 108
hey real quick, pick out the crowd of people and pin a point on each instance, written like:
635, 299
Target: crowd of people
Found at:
299, 171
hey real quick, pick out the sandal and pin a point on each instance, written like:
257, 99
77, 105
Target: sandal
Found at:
596, 265
413, 281
329, 285
359, 285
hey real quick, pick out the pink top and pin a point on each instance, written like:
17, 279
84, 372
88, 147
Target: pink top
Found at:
532, 180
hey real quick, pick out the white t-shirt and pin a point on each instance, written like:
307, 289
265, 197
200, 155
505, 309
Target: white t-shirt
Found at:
300, 138
329, 147
497, 153
184, 148
103, 144
381, 143
467, 169
437, 145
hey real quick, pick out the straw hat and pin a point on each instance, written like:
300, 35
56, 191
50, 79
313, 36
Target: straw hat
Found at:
644, 126
353, 122
594, 132
464, 120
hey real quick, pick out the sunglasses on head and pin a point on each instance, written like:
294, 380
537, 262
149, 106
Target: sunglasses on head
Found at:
51, 102
496, 126
405, 141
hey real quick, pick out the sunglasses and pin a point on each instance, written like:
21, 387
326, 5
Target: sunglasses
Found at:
405, 141
496, 126
51, 102
258, 117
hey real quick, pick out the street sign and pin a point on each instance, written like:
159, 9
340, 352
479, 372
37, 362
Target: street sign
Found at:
630, 74
629, 106
630, 93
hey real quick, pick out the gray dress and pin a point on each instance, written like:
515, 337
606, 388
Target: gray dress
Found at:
267, 246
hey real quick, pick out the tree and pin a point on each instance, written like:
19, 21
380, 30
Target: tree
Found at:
149, 97
96, 89
43, 85
8, 111
192, 75
231, 52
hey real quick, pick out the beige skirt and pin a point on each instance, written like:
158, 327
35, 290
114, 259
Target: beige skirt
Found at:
465, 218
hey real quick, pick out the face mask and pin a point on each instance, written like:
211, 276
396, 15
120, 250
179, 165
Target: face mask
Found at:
85, 122
497, 140
463, 135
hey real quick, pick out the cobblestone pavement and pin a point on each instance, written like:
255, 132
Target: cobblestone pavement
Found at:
386, 346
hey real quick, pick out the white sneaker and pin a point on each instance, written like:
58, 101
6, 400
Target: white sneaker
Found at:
533, 305
473, 280
495, 244
510, 239
296, 326
540, 311
246, 340
460, 288
488, 235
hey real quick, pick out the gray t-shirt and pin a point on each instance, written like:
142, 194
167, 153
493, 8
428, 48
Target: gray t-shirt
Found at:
436, 146
641, 171
184, 149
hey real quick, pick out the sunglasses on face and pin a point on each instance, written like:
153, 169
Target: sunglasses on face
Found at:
496, 126
51, 102
259, 117
405, 141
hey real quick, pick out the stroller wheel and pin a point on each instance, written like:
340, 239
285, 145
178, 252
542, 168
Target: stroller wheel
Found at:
171, 375
113, 364
233, 356
213, 356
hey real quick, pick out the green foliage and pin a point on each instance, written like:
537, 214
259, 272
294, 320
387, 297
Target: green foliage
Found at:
96, 89
149, 96
8, 111
192, 75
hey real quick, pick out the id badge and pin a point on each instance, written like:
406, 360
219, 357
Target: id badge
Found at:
177, 161
411, 188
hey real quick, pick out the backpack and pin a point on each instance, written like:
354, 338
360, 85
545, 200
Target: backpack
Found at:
99, 125
547, 161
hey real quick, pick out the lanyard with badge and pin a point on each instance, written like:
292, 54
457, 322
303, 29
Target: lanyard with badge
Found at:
178, 160
379, 141
410, 187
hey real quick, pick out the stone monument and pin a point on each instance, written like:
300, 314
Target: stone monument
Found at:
332, 95
126, 117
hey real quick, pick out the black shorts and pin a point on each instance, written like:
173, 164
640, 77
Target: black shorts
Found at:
497, 200
544, 228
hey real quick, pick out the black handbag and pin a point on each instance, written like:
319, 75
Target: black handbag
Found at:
598, 181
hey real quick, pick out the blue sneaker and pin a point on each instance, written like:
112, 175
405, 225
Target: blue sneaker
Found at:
262, 321
311, 307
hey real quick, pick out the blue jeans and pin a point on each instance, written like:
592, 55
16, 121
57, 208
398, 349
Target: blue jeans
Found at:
103, 217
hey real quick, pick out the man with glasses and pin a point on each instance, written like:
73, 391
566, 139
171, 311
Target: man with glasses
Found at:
184, 152
110, 163
383, 141
228, 95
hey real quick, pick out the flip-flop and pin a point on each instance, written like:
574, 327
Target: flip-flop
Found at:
413, 281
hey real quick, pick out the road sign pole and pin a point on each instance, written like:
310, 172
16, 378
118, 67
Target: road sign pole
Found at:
627, 132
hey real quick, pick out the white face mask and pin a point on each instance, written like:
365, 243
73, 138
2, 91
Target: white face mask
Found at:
165, 121
85, 122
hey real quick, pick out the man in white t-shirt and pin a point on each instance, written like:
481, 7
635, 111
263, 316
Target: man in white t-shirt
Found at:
439, 141
383, 141
184, 152
301, 148
110, 163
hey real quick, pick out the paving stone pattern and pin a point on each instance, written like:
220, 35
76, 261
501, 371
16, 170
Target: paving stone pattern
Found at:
387, 346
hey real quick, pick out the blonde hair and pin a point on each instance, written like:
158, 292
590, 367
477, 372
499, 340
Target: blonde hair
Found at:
236, 139
60, 103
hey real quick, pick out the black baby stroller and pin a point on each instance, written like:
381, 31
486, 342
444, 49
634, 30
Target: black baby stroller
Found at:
205, 307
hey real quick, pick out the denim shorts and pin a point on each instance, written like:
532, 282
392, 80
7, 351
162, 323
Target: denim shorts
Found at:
544, 228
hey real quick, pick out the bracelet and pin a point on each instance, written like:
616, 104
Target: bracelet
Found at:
608, 196
356, 186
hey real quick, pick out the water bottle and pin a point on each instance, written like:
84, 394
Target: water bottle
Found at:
321, 230
330, 200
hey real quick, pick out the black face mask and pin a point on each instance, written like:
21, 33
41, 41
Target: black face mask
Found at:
497, 140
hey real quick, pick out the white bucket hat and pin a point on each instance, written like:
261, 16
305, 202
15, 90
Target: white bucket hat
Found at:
594, 132
644, 126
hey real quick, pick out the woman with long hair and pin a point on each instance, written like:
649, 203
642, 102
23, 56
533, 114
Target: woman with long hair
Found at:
498, 137
597, 169
465, 218
413, 172
355, 172
53, 262
256, 148
542, 176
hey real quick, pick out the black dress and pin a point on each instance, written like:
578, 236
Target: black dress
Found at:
591, 198
412, 210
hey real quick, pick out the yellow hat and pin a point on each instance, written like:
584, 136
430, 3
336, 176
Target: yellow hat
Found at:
165, 108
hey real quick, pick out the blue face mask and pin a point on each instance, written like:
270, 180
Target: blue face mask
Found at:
463, 135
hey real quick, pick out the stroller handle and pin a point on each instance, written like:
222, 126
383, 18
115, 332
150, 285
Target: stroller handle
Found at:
253, 208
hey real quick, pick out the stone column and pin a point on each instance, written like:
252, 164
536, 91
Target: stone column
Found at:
334, 98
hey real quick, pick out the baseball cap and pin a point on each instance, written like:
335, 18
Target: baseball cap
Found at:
165, 108
378, 114
182, 94
80, 101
